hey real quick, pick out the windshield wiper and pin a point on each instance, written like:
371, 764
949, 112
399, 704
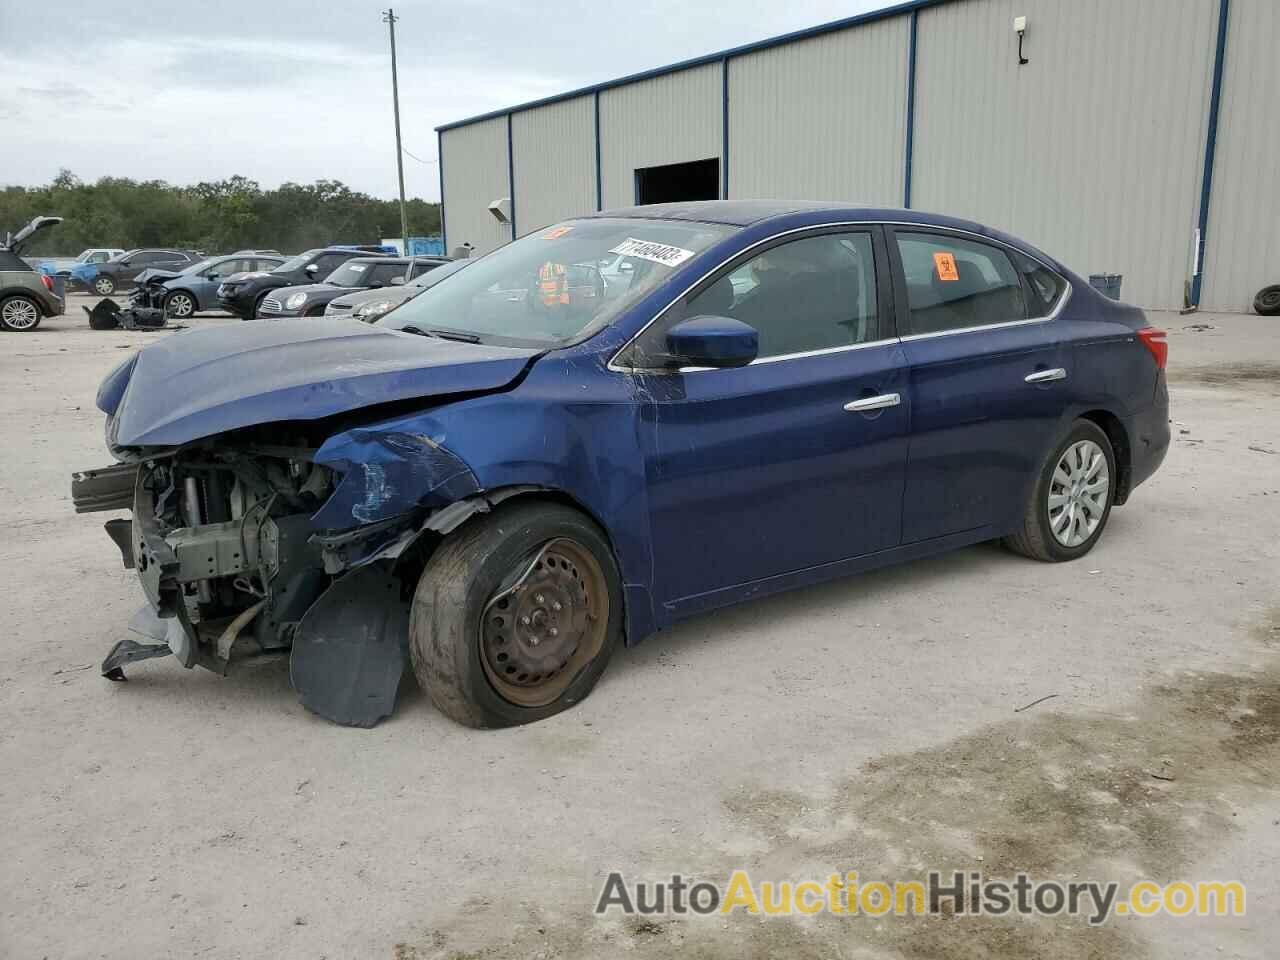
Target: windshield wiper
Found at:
455, 335
442, 334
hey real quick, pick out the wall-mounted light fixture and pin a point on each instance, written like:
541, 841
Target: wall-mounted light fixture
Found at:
1020, 28
501, 209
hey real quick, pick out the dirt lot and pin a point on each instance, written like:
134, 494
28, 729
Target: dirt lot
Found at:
865, 725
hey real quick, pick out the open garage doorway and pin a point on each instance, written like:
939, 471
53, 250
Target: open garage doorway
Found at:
674, 182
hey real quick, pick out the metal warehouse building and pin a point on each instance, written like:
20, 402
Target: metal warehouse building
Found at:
1139, 137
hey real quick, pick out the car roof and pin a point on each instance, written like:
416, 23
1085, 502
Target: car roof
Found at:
746, 213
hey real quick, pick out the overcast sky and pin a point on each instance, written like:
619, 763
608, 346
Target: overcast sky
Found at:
278, 90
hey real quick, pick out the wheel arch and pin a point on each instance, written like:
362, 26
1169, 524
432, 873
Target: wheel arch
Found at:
1113, 427
460, 513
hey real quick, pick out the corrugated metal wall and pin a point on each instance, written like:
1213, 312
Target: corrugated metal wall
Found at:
555, 169
1242, 252
669, 119
475, 174
1093, 150
823, 118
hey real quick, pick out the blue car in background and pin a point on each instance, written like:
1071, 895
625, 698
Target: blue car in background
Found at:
186, 292
517, 472
83, 268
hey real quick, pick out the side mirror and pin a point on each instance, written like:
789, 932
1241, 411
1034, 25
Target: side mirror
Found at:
712, 342
312, 268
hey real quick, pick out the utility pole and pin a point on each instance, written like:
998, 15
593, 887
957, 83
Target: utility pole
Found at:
389, 17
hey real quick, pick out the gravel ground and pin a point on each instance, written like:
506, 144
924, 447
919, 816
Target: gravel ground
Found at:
866, 725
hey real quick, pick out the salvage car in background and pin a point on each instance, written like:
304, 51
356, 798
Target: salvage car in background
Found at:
26, 297
370, 305
121, 272
186, 292
358, 273
244, 294
81, 268
513, 488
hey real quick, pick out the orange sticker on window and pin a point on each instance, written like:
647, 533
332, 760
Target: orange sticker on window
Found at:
556, 233
945, 263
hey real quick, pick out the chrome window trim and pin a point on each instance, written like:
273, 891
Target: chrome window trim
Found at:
1062, 300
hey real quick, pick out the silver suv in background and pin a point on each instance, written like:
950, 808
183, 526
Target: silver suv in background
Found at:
26, 297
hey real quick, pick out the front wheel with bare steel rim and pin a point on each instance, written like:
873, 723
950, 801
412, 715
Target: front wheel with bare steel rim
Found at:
516, 615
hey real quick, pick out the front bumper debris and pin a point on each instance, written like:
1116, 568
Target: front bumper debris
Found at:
226, 553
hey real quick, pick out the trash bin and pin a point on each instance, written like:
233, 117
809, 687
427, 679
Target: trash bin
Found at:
1107, 284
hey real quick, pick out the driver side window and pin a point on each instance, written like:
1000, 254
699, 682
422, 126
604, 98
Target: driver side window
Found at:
816, 293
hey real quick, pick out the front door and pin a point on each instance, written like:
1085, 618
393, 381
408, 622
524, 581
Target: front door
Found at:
798, 459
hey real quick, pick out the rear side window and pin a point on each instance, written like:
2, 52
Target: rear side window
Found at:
954, 283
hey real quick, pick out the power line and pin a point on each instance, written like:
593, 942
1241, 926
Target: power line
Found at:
416, 157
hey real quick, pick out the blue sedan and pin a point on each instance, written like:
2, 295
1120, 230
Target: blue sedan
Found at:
609, 425
196, 288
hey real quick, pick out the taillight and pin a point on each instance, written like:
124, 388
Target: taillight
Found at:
1154, 340
47, 281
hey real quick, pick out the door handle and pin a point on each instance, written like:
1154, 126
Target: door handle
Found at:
1045, 376
867, 404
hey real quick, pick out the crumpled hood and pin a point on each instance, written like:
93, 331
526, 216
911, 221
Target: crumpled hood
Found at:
154, 275
199, 383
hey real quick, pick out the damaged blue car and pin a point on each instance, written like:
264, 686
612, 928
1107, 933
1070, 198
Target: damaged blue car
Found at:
606, 426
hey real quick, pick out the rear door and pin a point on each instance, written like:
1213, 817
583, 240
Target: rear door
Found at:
989, 380
798, 459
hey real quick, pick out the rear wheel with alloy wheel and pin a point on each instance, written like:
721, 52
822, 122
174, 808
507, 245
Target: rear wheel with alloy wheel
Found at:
516, 615
19, 314
1072, 498
104, 285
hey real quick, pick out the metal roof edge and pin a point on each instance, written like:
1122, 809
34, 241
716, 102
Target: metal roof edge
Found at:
833, 26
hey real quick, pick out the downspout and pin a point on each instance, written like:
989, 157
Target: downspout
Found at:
444, 236
1210, 148
511, 178
599, 182
724, 128
911, 109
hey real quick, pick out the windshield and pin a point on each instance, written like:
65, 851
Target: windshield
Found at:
559, 283
436, 274
202, 265
360, 273
84, 257
296, 263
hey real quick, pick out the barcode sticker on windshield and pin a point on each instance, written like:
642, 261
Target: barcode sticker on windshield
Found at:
661, 253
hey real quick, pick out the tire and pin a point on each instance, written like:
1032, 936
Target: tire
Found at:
20, 314
458, 616
1267, 302
184, 302
103, 285
1037, 538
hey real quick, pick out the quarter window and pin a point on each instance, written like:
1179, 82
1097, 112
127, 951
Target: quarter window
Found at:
953, 283
1044, 287
812, 294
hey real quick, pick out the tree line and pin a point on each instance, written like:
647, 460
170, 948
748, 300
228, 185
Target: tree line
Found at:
215, 217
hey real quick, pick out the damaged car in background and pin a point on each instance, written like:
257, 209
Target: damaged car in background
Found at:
508, 476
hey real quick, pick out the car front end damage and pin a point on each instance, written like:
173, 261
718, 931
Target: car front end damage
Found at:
242, 546
278, 504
